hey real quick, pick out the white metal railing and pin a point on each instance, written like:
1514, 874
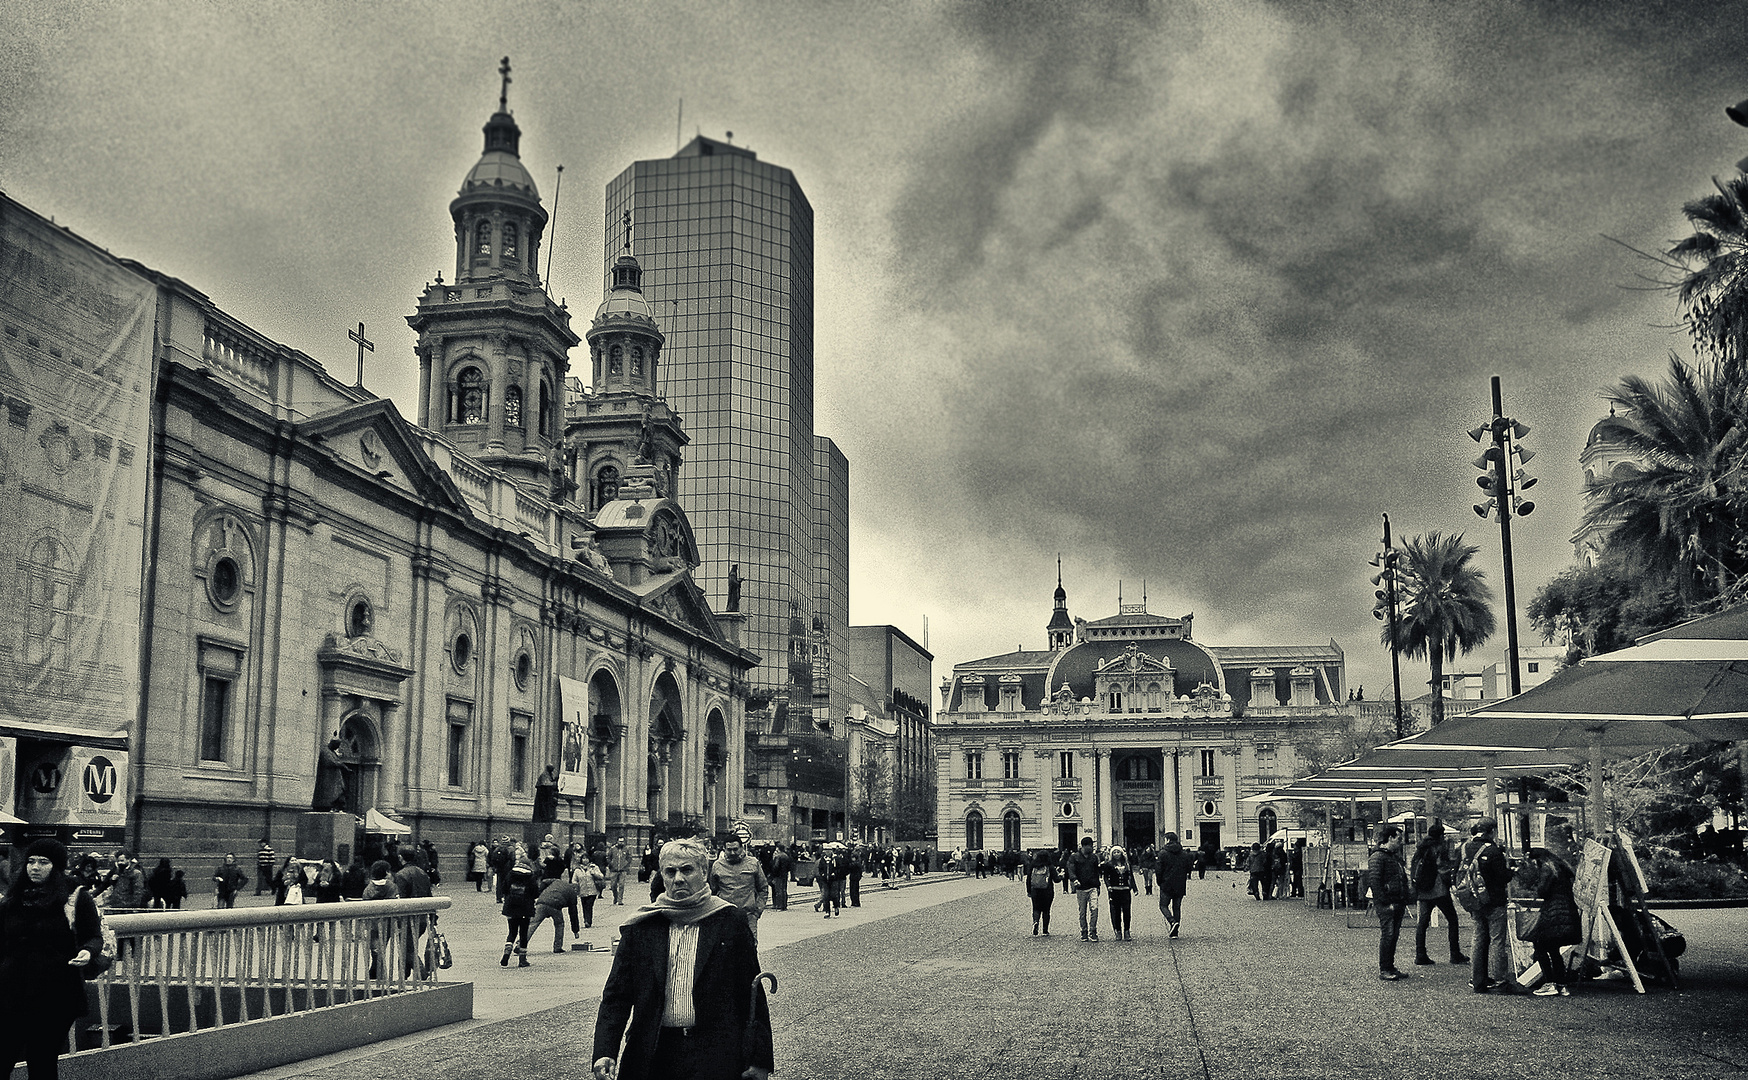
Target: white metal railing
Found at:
183, 971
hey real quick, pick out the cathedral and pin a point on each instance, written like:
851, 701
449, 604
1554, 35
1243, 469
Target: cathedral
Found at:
231, 559
1126, 729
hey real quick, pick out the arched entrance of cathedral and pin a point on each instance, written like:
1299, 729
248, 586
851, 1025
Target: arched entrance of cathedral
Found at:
606, 724
1010, 831
666, 729
1137, 775
715, 761
360, 751
1265, 824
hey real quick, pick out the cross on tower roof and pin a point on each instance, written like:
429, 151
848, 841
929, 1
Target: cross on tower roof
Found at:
627, 232
363, 344
504, 94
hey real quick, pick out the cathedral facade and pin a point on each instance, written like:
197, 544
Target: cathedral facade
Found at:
1126, 729
442, 596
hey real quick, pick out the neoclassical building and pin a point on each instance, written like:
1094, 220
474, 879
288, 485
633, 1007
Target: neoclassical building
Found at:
1126, 729
460, 600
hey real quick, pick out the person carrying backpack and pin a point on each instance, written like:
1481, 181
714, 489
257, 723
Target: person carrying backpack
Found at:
1482, 882
1041, 884
1431, 872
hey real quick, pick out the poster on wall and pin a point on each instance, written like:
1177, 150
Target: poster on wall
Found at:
573, 759
43, 797
98, 787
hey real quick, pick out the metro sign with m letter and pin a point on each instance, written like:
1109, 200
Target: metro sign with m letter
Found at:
100, 780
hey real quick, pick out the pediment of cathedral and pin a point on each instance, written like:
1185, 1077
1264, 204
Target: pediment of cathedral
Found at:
680, 599
375, 439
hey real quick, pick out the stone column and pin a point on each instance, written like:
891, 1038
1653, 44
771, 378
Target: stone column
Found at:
500, 381
1046, 760
424, 354
1106, 800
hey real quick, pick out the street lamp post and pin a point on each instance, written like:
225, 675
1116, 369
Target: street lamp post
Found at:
1502, 478
1388, 607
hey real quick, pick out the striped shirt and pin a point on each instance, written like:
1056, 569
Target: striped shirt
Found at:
678, 1010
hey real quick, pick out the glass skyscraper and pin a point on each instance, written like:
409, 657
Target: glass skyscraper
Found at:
726, 244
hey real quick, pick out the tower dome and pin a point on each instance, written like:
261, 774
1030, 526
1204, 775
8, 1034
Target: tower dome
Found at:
498, 217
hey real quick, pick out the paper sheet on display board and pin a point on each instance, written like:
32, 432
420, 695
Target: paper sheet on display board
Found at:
573, 758
76, 372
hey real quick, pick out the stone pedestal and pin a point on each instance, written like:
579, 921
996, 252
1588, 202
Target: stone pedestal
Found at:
326, 836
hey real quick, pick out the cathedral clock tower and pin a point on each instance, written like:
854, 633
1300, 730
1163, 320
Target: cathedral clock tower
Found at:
492, 345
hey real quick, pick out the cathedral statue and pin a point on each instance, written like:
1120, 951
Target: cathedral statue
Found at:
546, 795
330, 779
734, 587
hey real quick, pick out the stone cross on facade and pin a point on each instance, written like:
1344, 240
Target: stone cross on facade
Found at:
363, 344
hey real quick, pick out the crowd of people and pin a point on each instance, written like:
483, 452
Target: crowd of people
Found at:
1090, 870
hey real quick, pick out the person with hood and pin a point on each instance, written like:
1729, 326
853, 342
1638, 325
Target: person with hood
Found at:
1431, 873
1388, 880
1174, 881
683, 994
42, 954
521, 891
1558, 925
158, 884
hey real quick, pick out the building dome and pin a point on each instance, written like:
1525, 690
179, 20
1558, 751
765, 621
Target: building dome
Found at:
497, 170
626, 302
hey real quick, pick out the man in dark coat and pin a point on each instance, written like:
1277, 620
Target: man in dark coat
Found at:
1387, 877
686, 938
1174, 878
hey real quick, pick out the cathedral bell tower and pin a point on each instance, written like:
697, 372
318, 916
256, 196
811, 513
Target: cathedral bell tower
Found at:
1060, 628
492, 345
622, 422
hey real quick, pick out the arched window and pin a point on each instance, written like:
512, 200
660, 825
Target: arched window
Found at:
1010, 831
470, 397
973, 831
616, 361
636, 362
359, 619
1115, 697
509, 243
1265, 823
606, 485
48, 603
543, 419
513, 406
482, 240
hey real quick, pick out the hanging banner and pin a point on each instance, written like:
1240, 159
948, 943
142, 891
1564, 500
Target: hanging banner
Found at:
8, 776
43, 798
573, 763
76, 374
97, 781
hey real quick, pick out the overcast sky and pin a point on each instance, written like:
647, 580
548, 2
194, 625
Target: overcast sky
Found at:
1190, 293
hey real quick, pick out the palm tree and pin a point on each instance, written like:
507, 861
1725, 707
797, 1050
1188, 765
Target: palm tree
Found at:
1677, 515
1446, 605
1711, 271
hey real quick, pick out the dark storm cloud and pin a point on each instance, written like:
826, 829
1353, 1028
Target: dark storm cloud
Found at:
1234, 272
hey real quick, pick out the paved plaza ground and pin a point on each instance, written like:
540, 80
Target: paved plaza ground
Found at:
944, 979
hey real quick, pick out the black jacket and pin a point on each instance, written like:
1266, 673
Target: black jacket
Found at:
722, 992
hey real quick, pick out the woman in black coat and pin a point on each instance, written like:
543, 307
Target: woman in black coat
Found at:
42, 987
1558, 924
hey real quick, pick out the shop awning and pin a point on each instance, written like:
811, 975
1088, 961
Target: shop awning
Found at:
375, 821
61, 733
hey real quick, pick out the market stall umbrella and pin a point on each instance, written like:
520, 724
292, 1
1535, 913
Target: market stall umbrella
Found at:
1426, 756
1686, 684
375, 821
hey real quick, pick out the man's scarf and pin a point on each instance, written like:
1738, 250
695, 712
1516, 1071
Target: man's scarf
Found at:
684, 912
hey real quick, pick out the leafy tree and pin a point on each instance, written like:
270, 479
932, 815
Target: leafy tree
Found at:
1712, 271
913, 808
1677, 516
1446, 606
871, 796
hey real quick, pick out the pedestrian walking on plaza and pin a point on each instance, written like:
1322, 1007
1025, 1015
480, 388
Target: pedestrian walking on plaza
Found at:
828, 872
1084, 873
1041, 885
159, 884
1491, 966
127, 885
264, 858
227, 880
740, 880
382, 887
721, 1030
1174, 880
781, 865
1387, 877
500, 862
590, 882
1431, 872
1120, 892
521, 892
1147, 863
1257, 867
1558, 923
479, 865
330, 882
42, 954
1296, 867
288, 883
853, 874
618, 869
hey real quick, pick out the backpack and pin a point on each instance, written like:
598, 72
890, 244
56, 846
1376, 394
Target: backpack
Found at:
1425, 873
104, 959
1471, 888
1041, 878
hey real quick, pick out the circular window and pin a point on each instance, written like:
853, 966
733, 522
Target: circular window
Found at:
358, 620
227, 580
524, 668
461, 652
1209, 809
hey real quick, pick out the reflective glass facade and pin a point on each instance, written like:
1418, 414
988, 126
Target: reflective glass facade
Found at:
831, 558
726, 243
